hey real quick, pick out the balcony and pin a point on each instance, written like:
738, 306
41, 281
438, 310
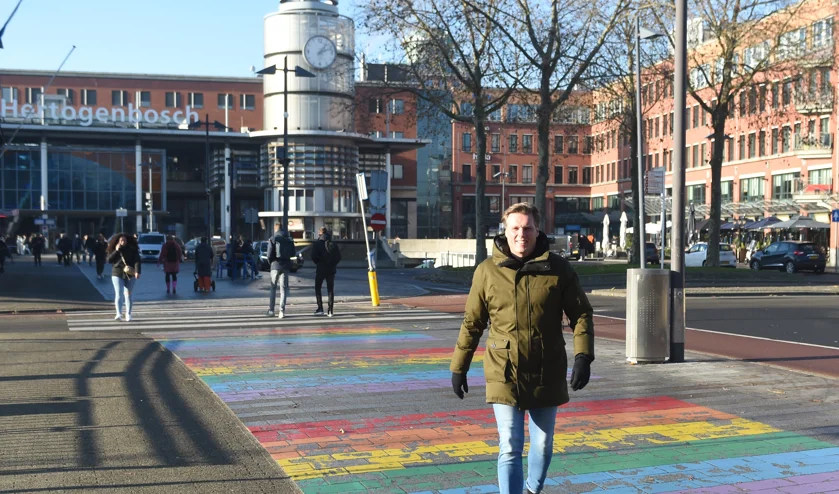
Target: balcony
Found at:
814, 103
807, 192
815, 146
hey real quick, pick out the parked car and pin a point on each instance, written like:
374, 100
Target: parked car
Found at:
261, 247
651, 253
789, 256
150, 245
697, 255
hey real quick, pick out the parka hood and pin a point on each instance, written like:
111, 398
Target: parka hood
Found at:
502, 257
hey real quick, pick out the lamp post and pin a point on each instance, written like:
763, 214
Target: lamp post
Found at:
298, 72
641, 33
503, 176
218, 126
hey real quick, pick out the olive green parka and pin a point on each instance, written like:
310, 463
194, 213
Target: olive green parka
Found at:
525, 363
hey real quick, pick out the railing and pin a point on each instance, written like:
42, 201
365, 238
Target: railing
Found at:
804, 186
456, 259
813, 144
814, 101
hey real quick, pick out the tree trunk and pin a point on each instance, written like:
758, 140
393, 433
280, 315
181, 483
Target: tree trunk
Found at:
543, 129
713, 257
480, 186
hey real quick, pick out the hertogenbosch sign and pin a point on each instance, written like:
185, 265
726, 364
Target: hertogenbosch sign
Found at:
88, 115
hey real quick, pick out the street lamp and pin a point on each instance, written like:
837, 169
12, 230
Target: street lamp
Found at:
217, 126
641, 33
503, 176
298, 72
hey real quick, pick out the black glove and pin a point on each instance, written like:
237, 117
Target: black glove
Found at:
581, 372
459, 384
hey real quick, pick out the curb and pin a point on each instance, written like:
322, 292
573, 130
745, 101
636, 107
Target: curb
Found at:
621, 293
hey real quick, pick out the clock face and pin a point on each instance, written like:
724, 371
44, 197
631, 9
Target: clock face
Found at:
319, 52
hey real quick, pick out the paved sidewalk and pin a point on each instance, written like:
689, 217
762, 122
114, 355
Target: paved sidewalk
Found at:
25, 287
100, 412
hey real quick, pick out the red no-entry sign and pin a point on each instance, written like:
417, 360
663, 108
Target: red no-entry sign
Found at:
378, 222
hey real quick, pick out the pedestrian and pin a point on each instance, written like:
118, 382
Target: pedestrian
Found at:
4, 252
78, 248
124, 255
326, 255
280, 252
100, 249
525, 289
89, 243
170, 256
204, 264
37, 244
65, 245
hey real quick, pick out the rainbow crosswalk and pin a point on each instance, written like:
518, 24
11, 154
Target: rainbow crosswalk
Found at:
360, 408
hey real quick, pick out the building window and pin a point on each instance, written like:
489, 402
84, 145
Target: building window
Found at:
145, 99
495, 143
512, 174
785, 136
596, 203
786, 93
784, 185
775, 139
820, 177
751, 189
741, 146
727, 191
466, 142
397, 106
397, 171
397, 135
702, 156
10, 94
374, 105
514, 144
752, 146
88, 97
68, 95
466, 175
119, 98
527, 174
573, 143
33, 95
761, 99
173, 99
572, 175
696, 193
557, 174
247, 101
761, 143
527, 143
588, 145
696, 162
559, 145
774, 91
586, 175
196, 100
225, 101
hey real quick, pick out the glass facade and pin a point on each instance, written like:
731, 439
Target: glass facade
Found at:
78, 179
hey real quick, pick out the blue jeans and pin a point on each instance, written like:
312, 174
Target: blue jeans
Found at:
122, 292
279, 277
510, 421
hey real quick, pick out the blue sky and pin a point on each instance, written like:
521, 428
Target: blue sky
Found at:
188, 37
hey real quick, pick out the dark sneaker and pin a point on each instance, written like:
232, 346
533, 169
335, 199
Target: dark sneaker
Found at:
319, 312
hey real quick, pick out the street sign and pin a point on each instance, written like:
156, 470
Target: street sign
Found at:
251, 216
45, 229
378, 198
39, 221
834, 216
654, 182
122, 213
361, 183
51, 222
378, 222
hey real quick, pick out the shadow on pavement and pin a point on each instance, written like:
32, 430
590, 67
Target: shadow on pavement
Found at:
25, 287
100, 412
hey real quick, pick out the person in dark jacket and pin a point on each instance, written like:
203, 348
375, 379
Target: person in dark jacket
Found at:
525, 289
326, 256
37, 244
123, 252
99, 250
171, 256
4, 252
89, 243
280, 251
204, 264
65, 245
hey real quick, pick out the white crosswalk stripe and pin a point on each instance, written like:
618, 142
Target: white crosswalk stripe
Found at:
149, 318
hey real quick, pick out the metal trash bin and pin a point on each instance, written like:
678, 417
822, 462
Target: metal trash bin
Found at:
647, 315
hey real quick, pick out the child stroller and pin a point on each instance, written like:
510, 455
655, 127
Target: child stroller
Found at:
195, 283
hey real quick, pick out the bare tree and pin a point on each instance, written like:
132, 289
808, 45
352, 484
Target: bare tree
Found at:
456, 62
559, 41
734, 45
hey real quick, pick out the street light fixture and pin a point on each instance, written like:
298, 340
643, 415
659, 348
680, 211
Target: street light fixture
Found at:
645, 34
217, 126
298, 72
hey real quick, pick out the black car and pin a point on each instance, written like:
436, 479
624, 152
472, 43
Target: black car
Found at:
789, 256
651, 253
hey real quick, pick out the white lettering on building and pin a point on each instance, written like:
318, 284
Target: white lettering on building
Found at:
87, 115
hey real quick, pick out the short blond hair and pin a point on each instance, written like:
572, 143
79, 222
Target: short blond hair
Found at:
521, 208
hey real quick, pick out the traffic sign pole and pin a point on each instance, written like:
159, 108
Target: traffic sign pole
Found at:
371, 271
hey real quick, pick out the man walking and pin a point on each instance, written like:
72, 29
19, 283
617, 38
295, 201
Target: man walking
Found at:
37, 244
526, 289
326, 256
280, 252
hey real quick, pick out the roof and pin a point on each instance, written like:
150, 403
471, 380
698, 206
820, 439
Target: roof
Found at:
116, 75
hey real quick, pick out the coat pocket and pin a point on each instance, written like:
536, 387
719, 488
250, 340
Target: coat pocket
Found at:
497, 360
554, 363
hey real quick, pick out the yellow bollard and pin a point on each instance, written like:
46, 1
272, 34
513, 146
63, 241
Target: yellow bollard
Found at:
374, 287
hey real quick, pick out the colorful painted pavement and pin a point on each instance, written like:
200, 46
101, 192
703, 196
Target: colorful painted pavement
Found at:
391, 426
